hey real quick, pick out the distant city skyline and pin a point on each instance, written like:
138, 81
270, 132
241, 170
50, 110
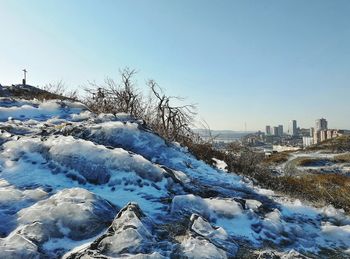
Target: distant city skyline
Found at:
252, 63
293, 126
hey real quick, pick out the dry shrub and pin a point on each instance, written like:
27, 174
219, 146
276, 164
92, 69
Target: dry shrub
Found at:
277, 158
320, 188
206, 152
166, 115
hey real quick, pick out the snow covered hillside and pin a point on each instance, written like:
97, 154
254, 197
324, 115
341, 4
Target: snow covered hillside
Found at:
77, 185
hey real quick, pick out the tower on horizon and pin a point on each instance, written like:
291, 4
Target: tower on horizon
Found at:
321, 124
280, 130
293, 128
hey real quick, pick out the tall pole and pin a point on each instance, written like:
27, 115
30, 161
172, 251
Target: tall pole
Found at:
25, 76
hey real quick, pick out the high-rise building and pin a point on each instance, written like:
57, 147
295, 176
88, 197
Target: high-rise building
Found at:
275, 131
268, 130
293, 128
321, 124
280, 130
312, 130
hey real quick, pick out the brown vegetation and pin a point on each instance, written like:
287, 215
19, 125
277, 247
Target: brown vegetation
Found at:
320, 188
343, 158
277, 158
339, 144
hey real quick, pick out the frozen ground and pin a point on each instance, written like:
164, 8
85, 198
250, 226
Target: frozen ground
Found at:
77, 185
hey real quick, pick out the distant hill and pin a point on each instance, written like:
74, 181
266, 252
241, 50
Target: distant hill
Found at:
222, 135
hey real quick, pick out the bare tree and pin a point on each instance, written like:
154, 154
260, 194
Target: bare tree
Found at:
95, 98
210, 138
157, 111
171, 121
56, 88
125, 95
113, 97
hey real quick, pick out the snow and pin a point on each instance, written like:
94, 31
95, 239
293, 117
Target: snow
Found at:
216, 235
17, 246
203, 228
96, 161
336, 233
225, 213
201, 248
220, 164
253, 204
75, 213
272, 221
66, 172
40, 111
209, 208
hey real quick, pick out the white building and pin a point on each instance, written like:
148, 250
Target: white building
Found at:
308, 141
293, 128
279, 148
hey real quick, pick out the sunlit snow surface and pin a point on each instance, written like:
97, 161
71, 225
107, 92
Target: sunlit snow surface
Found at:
65, 173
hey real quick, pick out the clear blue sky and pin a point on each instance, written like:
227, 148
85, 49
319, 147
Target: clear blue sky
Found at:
259, 62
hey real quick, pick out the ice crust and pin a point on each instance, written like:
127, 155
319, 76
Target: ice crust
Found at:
66, 172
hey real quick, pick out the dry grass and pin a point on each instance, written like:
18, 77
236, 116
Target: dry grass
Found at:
205, 152
343, 158
329, 188
322, 189
277, 158
339, 144
319, 188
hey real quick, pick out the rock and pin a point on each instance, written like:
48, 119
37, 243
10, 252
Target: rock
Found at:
253, 204
130, 233
75, 213
200, 248
16, 246
270, 254
216, 235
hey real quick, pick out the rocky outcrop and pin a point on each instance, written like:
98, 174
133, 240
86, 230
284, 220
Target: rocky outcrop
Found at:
206, 241
133, 235
130, 233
